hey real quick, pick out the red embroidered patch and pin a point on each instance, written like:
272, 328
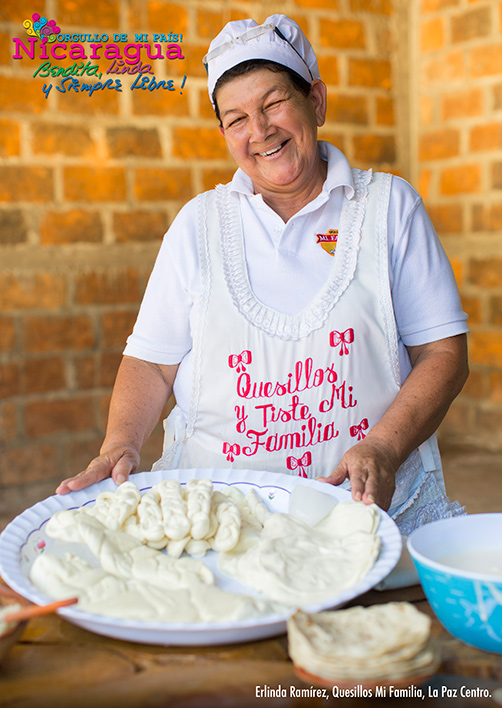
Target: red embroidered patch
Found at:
328, 241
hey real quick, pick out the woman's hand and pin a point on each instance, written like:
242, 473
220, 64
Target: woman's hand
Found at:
370, 466
118, 463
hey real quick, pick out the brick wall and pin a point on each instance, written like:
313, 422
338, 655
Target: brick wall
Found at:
88, 185
458, 168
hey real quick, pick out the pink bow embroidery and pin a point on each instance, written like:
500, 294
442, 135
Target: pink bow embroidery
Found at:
238, 360
341, 339
231, 450
292, 463
357, 430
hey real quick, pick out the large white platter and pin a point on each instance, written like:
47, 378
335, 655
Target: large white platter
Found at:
25, 537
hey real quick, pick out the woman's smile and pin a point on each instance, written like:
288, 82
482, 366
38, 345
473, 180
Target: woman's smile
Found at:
271, 130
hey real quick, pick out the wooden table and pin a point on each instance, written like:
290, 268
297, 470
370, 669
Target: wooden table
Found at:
57, 664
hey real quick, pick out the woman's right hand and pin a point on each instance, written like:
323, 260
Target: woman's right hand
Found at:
118, 463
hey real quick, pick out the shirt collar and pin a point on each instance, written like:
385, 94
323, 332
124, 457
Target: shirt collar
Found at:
339, 173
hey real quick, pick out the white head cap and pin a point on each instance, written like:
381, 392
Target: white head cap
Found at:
278, 39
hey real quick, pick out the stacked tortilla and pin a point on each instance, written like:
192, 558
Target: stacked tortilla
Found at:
382, 644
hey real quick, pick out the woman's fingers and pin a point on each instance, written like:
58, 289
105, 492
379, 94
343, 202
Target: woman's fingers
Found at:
118, 463
370, 472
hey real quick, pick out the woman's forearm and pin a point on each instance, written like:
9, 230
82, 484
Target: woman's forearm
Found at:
439, 371
139, 396
140, 393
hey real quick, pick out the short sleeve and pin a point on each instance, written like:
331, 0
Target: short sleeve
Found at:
162, 333
425, 296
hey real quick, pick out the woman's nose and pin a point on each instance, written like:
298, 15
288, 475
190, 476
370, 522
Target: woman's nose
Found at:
260, 127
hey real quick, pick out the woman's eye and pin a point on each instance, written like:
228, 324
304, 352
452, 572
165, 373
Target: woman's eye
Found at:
235, 121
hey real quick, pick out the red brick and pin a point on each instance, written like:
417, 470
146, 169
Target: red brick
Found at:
29, 463
10, 380
379, 7
9, 138
496, 310
7, 334
451, 68
486, 272
9, 422
58, 333
346, 108
191, 65
486, 60
472, 24
13, 11
31, 184
198, 143
474, 308
81, 12
497, 94
162, 102
475, 386
109, 365
432, 35
463, 104
95, 184
436, 5
42, 375
464, 179
495, 387
75, 226
342, 34
139, 226
79, 453
212, 177
439, 144
487, 217
21, 95
13, 227
133, 142
329, 69
102, 102
5, 47
161, 184
317, 4
32, 290
375, 148
447, 218
107, 287
62, 139
385, 111
486, 137
209, 23
86, 371
164, 16
59, 416
116, 327
372, 73
497, 175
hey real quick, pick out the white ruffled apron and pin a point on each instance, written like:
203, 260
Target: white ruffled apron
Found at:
291, 393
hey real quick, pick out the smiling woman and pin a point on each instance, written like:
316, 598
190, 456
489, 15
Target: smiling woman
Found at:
244, 290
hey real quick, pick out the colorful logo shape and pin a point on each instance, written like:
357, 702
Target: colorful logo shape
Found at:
46, 30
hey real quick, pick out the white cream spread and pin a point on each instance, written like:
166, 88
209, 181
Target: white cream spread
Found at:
289, 562
296, 564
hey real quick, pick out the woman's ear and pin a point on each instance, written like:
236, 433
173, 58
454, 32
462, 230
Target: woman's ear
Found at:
318, 94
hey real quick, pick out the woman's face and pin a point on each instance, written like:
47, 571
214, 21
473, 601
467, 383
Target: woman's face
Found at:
271, 130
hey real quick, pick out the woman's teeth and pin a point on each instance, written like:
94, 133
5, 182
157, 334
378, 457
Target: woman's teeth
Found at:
271, 152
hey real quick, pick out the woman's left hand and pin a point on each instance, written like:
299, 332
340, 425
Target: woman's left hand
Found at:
370, 466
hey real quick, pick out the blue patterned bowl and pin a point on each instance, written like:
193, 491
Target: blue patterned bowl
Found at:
459, 562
